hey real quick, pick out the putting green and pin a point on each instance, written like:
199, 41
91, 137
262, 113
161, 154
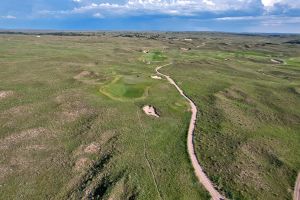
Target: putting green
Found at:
155, 56
120, 89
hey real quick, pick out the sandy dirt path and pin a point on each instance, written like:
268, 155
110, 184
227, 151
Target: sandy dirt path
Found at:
297, 189
203, 179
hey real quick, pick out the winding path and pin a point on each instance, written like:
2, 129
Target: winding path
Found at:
297, 189
203, 179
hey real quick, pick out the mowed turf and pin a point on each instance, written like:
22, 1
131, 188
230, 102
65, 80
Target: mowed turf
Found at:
126, 88
72, 125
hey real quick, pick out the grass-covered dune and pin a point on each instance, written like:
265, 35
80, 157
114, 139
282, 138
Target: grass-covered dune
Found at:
72, 125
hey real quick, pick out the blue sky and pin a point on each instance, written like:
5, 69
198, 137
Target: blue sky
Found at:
269, 16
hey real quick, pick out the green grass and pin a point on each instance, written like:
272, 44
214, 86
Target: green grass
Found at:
247, 134
122, 88
155, 56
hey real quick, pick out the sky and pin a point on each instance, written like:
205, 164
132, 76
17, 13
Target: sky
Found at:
259, 16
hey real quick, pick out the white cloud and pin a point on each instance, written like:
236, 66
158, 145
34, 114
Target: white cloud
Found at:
8, 17
168, 7
98, 15
208, 2
269, 4
265, 21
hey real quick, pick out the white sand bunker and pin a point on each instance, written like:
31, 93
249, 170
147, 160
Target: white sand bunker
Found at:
156, 77
150, 110
277, 61
5, 94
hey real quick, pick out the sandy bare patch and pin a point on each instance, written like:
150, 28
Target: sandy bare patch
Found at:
188, 39
156, 77
5, 94
82, 74
71, 108
150, 110
185, 49
72, 115
24, 135
36, 147
18, 111
5, 171
92, 148
82, 163
85, 74
277, 61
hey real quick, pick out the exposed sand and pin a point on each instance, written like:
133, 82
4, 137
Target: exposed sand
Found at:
29, 134
82, 163
297, 189
277, 61
198, 169
92, 148
82, 74
5, 94
156, 77
150, 110
185, 49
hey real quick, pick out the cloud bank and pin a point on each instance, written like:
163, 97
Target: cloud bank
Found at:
186, 14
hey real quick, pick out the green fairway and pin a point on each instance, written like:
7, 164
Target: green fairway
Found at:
72, 124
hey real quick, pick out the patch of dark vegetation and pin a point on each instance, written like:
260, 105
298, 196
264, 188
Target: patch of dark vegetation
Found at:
49, 33
91, 174
293, 42
101, 189
293, 90
104, 185
281, 74
274, 160
77, 129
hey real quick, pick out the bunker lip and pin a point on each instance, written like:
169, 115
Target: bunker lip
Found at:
150, 110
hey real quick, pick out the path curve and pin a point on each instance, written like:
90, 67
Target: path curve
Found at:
297, 189
203, 179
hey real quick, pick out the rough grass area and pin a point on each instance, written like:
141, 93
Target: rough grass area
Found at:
72, 124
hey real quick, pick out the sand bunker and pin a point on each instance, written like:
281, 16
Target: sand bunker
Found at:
277, 61
5, 94
185, 49
150, 110
156, 77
